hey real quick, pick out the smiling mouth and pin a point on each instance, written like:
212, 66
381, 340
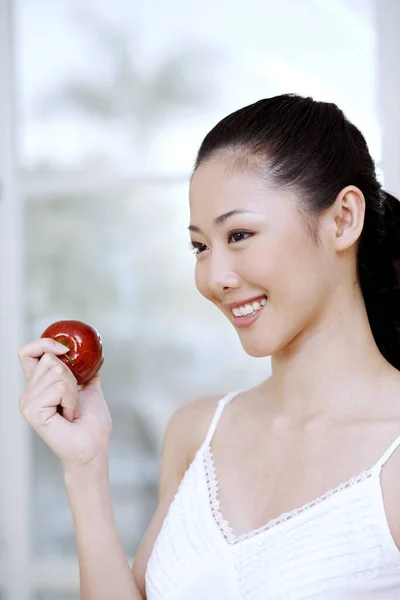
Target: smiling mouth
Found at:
249, 308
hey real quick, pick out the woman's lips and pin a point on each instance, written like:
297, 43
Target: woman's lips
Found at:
247, 320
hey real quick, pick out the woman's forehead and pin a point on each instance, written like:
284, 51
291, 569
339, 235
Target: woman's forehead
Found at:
214, 190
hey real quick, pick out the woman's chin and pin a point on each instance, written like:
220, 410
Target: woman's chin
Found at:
257, 348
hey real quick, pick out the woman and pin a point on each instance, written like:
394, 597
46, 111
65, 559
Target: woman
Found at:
289, 490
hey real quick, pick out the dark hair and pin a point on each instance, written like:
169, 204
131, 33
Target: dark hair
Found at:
312, 147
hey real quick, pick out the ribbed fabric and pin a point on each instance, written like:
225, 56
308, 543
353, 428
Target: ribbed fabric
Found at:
337, 547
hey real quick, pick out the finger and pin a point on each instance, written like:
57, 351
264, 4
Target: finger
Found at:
38, 400
94, 383
30, 354
86, 403
41, 410
67, 398
49, 362
45, 364
59, 372
67, 412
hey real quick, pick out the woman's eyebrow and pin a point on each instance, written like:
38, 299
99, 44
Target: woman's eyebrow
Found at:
222, 218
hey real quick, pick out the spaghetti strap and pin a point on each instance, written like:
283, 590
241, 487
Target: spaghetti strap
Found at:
219, 410
385, 457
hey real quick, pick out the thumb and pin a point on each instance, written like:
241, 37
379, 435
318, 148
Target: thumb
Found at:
92, 402
94, 384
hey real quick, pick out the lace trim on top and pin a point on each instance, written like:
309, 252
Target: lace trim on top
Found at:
223, 525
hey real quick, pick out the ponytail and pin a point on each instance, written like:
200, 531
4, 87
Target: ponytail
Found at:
379, 273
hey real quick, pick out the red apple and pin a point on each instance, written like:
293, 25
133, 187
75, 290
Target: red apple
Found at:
85, 356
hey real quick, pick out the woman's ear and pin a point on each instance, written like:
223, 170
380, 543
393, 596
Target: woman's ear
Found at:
347, 217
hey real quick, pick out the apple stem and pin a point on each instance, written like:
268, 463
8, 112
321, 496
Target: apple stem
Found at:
69, 359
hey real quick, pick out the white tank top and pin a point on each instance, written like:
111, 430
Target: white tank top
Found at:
337, 547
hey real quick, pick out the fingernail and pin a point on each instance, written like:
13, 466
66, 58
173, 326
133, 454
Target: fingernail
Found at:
62, 347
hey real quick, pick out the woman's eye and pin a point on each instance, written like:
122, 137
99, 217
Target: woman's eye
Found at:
238, 236
233, 237
197, 247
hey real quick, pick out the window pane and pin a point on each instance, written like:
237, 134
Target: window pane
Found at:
127, 85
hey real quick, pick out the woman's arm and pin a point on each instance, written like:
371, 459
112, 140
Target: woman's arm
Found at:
105, 573
79, 434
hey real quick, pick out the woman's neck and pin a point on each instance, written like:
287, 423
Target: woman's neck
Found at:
329, 364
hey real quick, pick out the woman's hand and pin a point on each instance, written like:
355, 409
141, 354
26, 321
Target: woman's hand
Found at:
78, 433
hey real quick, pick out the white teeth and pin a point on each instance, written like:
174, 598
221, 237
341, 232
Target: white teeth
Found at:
248, 309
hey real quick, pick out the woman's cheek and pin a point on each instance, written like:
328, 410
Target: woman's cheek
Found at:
257, 267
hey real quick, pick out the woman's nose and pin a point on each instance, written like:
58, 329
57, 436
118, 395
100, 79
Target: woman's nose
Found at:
221, 277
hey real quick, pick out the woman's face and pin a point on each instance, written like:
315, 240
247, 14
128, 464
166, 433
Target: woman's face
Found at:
256, 261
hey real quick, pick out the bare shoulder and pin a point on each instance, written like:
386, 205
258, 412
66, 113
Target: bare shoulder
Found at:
185, 432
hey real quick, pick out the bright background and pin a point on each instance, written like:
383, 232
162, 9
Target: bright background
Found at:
102, 108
